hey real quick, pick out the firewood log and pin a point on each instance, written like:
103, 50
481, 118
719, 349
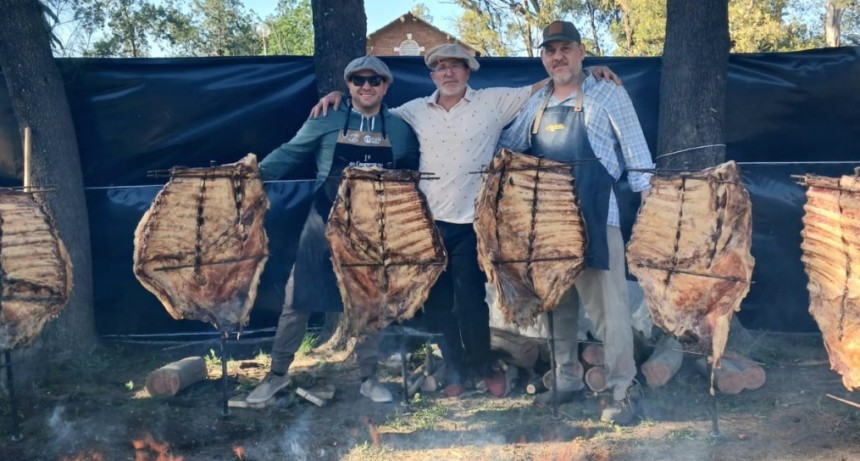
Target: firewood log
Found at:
664, 363
754, 374
728, 378
592, 354
595, 379
174, 377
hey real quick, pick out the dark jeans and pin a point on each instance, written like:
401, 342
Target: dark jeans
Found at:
456, 306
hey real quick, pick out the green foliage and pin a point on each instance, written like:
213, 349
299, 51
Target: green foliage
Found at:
638, 27
476, 30
420, 10
223, 28
212, 359
292, 31
761, 26
309, 342
124, 28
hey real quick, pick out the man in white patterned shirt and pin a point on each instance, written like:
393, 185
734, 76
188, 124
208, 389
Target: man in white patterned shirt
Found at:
578, 120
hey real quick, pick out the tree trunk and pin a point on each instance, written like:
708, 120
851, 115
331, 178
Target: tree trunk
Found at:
693, 85
628, 25
340, 35
39, 101
693, 92
833, 22
340, 31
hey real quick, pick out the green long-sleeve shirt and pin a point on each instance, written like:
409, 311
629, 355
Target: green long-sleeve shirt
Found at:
317, 137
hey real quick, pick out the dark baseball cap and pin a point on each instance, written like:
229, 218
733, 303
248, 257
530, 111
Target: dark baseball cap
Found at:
560, 31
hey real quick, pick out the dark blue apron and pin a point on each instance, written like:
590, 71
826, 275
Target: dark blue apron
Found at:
314, 282
559, 134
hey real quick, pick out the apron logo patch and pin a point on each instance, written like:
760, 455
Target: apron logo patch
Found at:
554, 127
368, 139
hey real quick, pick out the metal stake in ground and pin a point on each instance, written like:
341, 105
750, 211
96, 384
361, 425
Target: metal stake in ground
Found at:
554, 389
401, 339
225, 410
13, 404
715, 425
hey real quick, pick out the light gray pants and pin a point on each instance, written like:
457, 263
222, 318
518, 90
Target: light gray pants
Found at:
603, 294
292, 326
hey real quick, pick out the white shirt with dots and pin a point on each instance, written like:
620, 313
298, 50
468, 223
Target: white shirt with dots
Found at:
458, 142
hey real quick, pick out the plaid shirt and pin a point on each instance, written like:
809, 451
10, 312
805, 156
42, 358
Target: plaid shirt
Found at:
613, 131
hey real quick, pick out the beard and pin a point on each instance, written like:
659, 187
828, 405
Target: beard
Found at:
451, 90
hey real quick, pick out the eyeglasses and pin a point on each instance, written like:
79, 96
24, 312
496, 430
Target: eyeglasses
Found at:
374, 80
454, 66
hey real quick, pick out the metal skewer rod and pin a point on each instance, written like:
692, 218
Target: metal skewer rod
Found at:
28, 149
556, 258
401, 339
225, 410
543, 167
682, 271
13, 404
552, 364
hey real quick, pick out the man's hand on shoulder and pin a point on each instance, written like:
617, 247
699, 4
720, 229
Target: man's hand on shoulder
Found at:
332, 99
603, 73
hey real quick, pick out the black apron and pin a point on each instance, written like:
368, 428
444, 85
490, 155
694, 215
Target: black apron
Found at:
314, 282
559, 134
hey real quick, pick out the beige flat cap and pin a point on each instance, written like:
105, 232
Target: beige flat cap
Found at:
451, 51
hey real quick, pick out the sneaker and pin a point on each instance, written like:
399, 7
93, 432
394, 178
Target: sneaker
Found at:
376, 392
624, 412
544, 399
267, 389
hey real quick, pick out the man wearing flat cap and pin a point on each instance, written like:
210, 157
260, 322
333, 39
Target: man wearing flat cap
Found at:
458, 128
576, 119
363, 133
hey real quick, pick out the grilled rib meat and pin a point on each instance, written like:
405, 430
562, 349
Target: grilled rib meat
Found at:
201, 246
531, 236
386, 250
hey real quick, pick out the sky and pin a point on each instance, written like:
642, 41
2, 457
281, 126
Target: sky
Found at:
381, 12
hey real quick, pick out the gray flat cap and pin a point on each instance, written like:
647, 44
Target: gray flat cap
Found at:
371, 63
451, 51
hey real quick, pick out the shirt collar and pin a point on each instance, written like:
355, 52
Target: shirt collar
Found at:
470, 94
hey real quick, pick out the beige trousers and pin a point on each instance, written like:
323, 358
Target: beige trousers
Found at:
603, 294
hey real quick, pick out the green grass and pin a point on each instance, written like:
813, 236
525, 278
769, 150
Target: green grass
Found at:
425, 415
309, 342
681, 434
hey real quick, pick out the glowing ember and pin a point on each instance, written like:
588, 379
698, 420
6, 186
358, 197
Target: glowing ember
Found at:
372, 431
239, 452
148, 449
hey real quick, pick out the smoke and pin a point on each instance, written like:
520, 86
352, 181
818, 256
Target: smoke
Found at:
61, 429
293, 443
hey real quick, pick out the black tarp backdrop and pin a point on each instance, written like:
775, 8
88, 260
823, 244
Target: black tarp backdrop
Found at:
133, 116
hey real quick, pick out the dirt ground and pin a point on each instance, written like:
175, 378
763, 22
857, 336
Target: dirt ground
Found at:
97, 409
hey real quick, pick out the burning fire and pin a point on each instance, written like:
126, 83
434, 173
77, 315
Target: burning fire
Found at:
239, 452
147, 447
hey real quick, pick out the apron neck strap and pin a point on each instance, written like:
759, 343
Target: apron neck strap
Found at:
550, 87
349, 113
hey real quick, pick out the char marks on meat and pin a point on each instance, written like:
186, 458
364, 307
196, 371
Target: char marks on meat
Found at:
201, 247
531, 236
690, 251
35, 270
385, 248
831, 257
